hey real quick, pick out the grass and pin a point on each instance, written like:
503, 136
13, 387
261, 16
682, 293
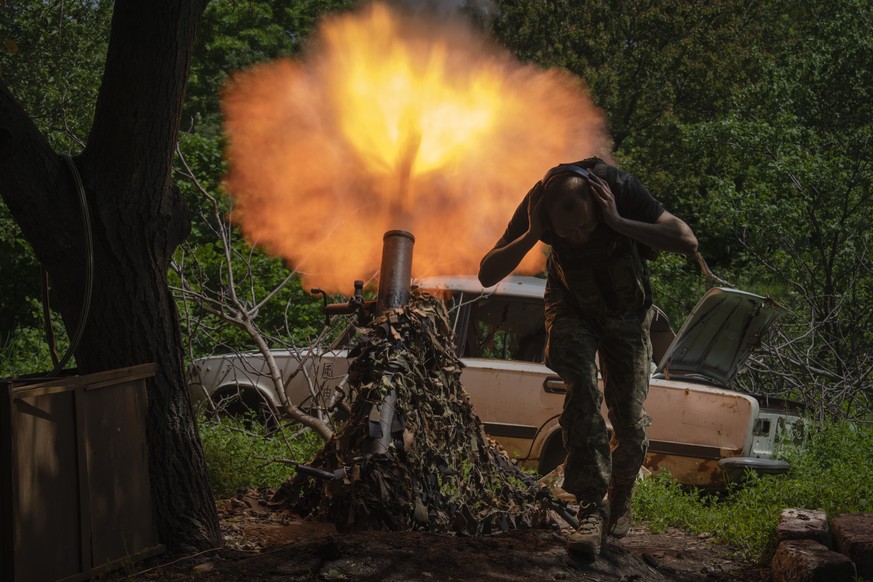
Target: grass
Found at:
832, 472
241, 454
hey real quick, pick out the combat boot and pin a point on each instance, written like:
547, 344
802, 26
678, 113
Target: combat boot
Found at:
619, 497
591, 533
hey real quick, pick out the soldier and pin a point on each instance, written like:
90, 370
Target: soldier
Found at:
602, 225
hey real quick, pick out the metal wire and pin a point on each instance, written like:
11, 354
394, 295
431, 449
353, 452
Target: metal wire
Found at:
89, 271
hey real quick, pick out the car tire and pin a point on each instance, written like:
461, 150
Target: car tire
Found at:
240, 402
553, 454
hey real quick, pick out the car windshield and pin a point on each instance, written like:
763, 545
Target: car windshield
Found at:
513, 328
505, 328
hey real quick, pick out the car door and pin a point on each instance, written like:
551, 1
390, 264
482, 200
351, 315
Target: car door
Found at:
501, 340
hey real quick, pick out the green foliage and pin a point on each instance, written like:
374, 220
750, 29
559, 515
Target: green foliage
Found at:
236, 35
790, 181
24, 349
663, 502
292, 316
831, 472
648, 64
239, 453
57, 64
52, 61
15, 291
676, 286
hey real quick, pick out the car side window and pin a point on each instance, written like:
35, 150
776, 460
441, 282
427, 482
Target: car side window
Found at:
505, 328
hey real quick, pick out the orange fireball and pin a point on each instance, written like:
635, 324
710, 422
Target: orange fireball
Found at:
393, 121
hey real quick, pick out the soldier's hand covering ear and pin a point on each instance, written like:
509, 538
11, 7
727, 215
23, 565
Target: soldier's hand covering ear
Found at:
605, 199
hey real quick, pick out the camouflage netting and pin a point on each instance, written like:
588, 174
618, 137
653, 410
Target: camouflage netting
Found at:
440, 472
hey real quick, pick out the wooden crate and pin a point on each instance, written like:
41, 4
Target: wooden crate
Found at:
74, 480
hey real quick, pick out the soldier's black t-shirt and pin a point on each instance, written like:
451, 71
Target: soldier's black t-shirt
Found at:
632, 201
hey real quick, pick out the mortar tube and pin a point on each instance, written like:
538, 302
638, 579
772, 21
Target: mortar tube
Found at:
378, 445
394, 279
396, 271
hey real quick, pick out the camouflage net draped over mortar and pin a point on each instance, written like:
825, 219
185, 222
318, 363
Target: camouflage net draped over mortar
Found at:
440, 472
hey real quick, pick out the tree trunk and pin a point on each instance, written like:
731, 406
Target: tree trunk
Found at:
138, 218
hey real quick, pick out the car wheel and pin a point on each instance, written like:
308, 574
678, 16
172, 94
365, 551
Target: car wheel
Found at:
553, 454
246, 404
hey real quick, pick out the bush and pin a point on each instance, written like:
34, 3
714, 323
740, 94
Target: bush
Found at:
24, 349
240, 452
831, 472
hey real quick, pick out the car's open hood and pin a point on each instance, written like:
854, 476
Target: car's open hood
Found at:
719, 334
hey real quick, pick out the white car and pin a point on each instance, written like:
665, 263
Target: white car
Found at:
702, 431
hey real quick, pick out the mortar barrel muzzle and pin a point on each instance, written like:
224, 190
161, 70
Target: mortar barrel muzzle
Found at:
396, 270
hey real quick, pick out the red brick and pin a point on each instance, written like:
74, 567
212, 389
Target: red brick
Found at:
809, 561
804, 524
853, 536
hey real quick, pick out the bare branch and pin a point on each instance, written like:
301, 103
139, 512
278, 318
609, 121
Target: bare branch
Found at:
711, 279
226, 304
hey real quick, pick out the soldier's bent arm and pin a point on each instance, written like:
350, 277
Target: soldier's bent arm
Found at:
502, 260
667, 233
505, 257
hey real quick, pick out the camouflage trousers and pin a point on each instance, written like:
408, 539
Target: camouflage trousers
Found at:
625, 351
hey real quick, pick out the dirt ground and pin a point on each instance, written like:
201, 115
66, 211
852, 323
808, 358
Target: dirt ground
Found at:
264, 545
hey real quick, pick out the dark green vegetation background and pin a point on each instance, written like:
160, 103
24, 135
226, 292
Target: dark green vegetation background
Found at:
750, 120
